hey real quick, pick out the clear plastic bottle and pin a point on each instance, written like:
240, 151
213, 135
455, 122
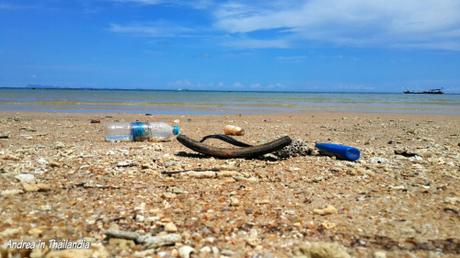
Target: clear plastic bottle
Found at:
140, 131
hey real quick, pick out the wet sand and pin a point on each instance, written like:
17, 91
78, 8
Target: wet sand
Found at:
61, 180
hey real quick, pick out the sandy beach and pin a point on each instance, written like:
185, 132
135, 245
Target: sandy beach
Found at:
60, 180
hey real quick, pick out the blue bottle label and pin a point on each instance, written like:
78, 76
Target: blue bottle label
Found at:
138, 131
119, 138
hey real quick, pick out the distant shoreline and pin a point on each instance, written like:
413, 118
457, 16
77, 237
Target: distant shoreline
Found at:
190, 90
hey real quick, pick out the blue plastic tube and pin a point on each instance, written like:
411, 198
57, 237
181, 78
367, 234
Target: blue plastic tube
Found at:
339, 150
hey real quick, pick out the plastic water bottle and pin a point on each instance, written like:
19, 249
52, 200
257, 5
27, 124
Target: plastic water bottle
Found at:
140, 131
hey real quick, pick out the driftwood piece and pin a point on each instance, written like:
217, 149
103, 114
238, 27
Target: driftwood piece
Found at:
246, 152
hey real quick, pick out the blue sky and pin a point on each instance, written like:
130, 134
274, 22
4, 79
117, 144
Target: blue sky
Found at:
311, 45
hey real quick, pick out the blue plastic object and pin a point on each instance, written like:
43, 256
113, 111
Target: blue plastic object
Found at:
137, 130
340, 151
176, 129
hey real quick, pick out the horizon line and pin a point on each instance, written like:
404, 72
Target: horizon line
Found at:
38, 87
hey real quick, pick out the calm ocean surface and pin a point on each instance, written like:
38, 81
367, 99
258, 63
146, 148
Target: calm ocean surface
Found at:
213, 103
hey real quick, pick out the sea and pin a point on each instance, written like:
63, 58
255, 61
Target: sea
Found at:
178, 102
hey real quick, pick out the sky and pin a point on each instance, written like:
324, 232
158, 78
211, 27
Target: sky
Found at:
310, 45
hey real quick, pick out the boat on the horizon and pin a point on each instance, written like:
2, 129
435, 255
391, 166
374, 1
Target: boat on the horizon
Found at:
432, 91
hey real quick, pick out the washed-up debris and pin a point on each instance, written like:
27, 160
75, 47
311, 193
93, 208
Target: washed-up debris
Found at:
338, 150
296, 148
95, 121
4, 136
229, 153
147, 239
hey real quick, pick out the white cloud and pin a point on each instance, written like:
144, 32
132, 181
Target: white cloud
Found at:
13, 7
294, 59
197, 4
257, 43
141, 2
423, 23
157, 29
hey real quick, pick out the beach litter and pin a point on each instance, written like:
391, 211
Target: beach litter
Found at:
340, 151
248, 151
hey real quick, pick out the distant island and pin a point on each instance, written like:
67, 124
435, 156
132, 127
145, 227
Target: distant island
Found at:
432, 91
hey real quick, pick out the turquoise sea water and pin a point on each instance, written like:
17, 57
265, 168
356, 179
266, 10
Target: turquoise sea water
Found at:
213, 102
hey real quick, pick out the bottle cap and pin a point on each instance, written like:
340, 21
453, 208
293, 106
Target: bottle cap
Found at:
176, 130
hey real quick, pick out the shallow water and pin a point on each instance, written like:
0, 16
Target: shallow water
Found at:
213, 102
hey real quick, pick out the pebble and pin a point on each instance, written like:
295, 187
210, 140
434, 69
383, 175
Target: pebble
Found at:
35, 231
323, 250
326, 211
205, 249
157, 241
380, 254
35, 187
452, 200
177, 190
10, 192
227, 252
204, 174
42, 161
234, 201
59, 145
378, 160
123, 244
185, 251
170, 227
415, 158
10, 232
328, 225
70, 253
25, 178
145, 253
125, 163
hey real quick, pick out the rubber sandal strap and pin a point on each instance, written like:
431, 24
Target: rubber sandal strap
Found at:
226, 139
245, 152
